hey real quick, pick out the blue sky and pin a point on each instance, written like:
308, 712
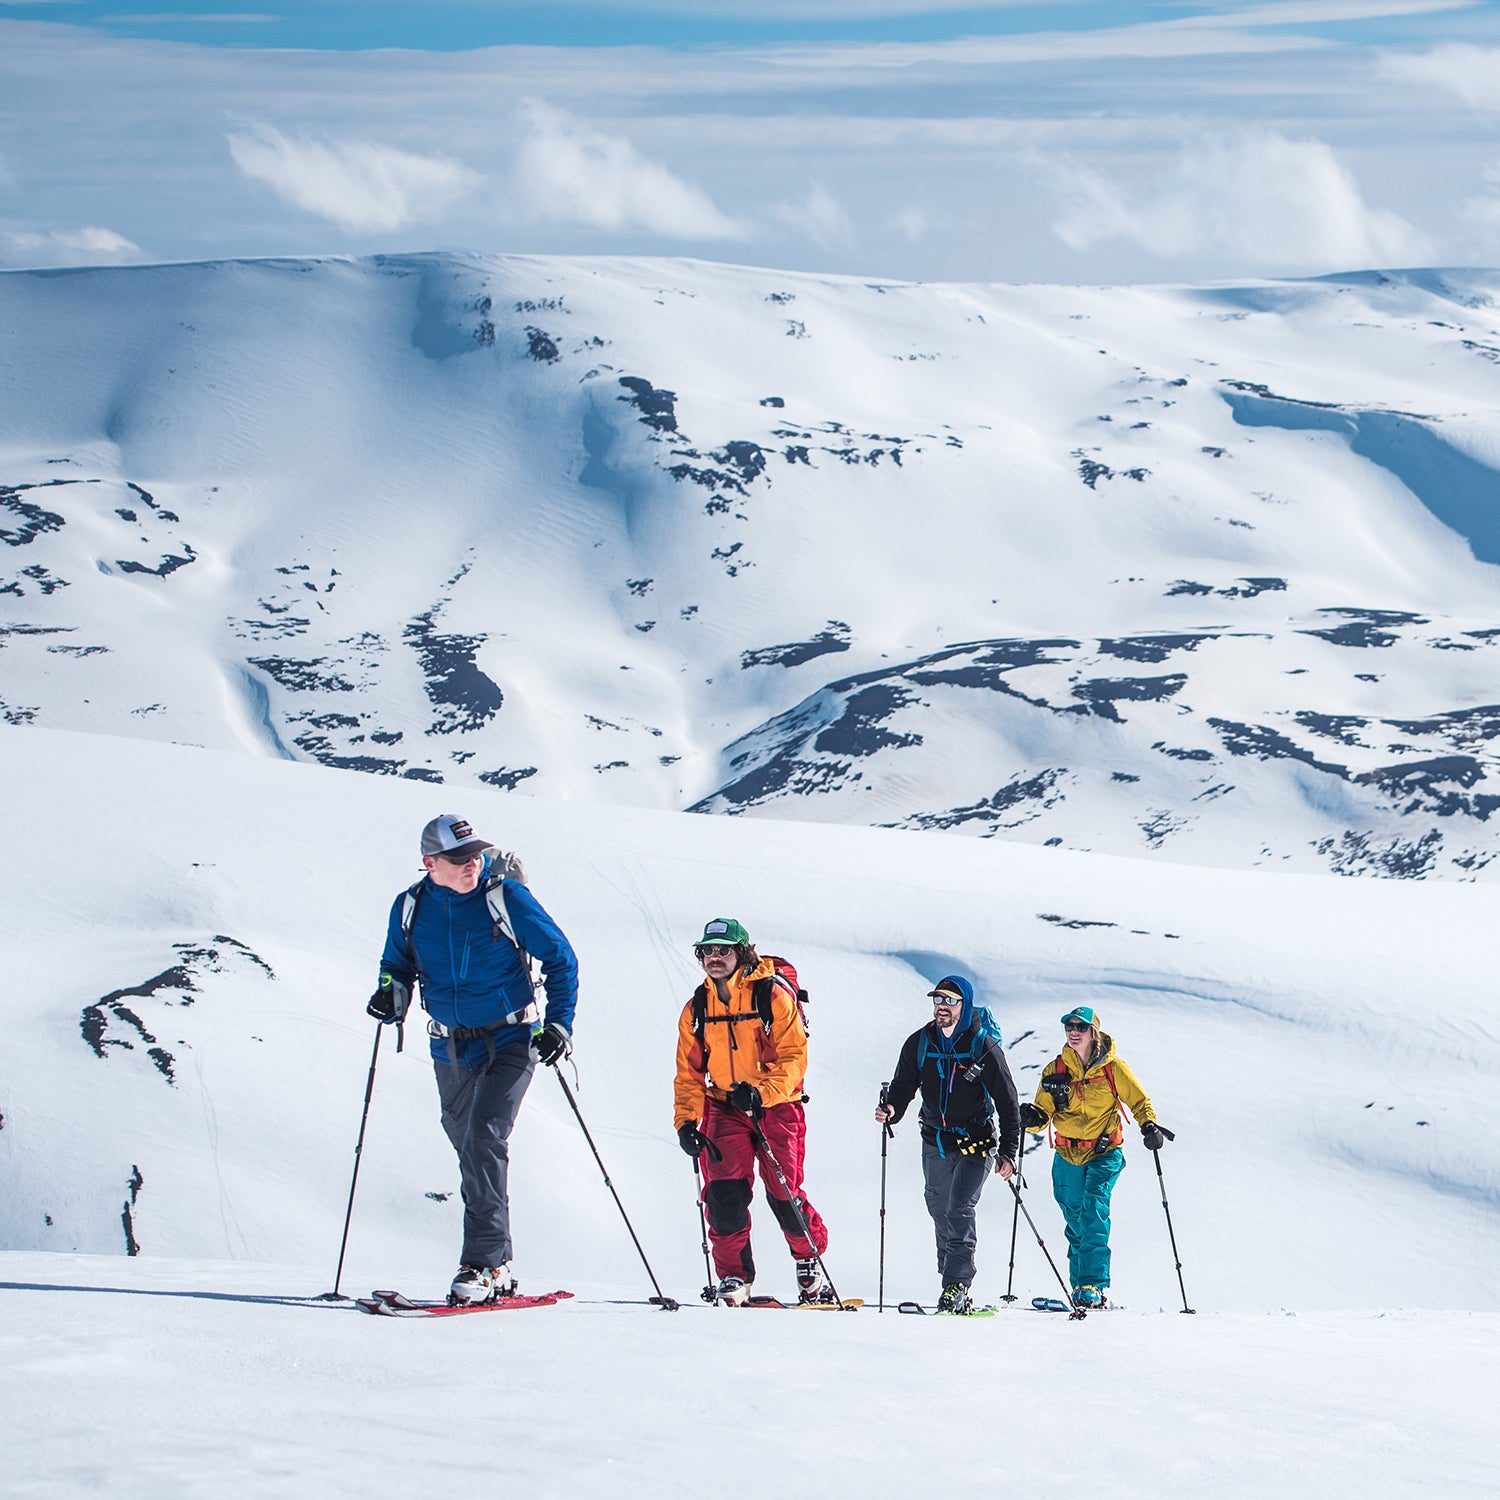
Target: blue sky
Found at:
901, 138
461, 25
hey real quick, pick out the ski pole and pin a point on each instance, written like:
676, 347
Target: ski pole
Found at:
1177, 1259
886, 1133
763, 1145
1015, 1220
710, 1291
660, 1300
335, 1295
1077, 1310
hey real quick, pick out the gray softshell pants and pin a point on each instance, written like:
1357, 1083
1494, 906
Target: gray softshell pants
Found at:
954, 1183
479, 1107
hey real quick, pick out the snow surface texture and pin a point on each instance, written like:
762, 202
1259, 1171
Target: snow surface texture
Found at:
186, 1056
1205, 574
352, 513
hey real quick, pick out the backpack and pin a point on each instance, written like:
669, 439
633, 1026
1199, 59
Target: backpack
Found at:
984, 1033
784, 978
502, 867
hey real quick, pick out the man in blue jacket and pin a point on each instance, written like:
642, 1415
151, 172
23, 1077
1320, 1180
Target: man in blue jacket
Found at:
467, 935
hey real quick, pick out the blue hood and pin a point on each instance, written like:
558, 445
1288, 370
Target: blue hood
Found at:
966, 1015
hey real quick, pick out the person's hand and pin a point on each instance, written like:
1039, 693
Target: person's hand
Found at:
883, 1114
551, 1044
1005, 1167
1153, 1137
692, 1140
1032, 1118
745, 1097
390, 1000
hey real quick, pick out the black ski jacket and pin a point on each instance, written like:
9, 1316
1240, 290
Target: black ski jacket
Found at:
955, 1107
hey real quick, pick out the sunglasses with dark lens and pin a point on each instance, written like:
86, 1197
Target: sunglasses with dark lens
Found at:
461, 859
946, 1000
715, 950
1076, 1026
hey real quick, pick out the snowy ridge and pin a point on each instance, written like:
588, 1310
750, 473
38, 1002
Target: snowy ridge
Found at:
1205, 574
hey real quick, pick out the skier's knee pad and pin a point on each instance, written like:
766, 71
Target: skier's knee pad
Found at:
728, 1204
786, 1214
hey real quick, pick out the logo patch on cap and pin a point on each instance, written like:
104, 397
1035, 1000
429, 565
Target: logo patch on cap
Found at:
717, 928
461, 830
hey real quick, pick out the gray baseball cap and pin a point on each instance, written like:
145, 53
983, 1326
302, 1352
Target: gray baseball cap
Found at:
452, 835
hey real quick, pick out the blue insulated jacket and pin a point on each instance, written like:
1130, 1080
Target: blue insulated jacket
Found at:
472, 978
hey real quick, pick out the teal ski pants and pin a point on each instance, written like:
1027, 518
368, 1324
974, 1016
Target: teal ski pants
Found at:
1083, 1195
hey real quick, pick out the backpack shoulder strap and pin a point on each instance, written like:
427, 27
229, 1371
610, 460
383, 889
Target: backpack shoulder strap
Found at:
699, 1002
760, 997
409, 909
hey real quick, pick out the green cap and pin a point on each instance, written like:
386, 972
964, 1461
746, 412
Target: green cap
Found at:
723, 930
1083, 1013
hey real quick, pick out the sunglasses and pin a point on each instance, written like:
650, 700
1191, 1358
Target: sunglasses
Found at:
949, 1000
1077, 1026
461, 859
716, 950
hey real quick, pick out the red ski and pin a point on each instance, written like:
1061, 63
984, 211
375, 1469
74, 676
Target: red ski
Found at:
390, 1304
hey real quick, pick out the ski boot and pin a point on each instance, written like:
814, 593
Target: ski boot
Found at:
956, 1299
733, 1291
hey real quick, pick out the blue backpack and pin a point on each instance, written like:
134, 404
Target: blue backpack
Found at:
983, 1033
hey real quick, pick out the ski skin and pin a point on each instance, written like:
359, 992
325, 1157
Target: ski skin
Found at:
987, 1311
390, 1304
849, 1304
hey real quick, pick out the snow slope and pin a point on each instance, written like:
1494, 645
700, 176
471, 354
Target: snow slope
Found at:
1319, 1044
1198, 573
500, 523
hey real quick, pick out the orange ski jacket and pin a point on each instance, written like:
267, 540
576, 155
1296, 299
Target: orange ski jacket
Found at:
737, 1047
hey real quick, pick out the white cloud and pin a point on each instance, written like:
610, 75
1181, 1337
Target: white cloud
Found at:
1267, 200
169, 18
819, 217
912, 224
1311, 12
1470, 72
355, 184
90, 246
567, 172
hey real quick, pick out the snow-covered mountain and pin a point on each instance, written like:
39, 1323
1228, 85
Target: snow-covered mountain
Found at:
1206, 574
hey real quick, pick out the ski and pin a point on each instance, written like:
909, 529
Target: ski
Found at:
390, 1304
1057, 1305
849, 1304
988, 1311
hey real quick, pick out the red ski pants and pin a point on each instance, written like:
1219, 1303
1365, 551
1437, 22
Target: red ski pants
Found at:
729, 1184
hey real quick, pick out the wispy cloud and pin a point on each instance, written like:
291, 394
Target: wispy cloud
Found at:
1273, 202
1470, 72
571, 173
1315, 12
819, 217
90, 246
355, 184
174, 18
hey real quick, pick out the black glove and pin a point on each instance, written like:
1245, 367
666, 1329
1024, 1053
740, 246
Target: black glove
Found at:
1061, 1089
1153, 1137
692, 1140
1032, 1118
745, 1097
551, 1044
390, 1000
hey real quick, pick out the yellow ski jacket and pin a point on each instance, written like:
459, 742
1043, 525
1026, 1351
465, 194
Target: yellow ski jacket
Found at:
1095, 1095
